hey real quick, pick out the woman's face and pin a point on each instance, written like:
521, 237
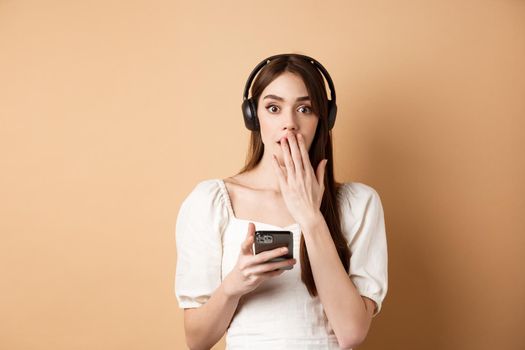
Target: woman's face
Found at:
284, 107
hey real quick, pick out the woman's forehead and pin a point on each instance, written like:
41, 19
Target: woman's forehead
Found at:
287, 86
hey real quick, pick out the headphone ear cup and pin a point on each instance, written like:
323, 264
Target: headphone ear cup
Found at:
249, 112
332, 112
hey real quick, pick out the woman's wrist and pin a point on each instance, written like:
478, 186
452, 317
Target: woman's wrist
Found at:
312, 222
229, 290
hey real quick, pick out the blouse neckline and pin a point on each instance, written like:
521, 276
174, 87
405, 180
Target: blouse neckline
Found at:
229, 205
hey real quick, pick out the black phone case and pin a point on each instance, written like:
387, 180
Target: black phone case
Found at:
268, 240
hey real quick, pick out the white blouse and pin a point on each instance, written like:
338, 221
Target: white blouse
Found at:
279, 313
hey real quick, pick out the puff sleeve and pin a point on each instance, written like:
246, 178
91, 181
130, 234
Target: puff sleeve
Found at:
364, 227
199, 227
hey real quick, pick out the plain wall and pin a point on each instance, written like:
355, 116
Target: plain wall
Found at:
112, 111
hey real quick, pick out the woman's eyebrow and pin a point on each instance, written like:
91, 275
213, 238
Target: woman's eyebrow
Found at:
303, 98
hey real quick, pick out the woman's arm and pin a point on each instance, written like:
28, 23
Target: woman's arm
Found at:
204, 326
346, 310
302, 191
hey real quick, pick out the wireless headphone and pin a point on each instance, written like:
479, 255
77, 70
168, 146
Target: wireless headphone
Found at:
249, 106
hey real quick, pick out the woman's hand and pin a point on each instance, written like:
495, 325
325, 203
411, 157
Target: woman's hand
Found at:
302, 188
251, 270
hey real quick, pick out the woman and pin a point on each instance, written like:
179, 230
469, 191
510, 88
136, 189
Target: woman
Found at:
339, 276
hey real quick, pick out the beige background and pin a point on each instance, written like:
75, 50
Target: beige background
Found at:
111, 111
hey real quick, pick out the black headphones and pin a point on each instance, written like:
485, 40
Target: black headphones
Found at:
249, 106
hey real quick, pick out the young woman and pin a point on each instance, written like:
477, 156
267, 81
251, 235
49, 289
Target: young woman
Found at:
338, 279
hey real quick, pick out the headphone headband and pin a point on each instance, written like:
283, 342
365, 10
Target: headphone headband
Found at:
264, 62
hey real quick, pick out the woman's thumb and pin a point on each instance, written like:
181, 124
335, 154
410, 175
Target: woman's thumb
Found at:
246, 246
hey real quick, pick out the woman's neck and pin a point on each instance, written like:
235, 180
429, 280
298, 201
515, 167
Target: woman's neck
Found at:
263, 175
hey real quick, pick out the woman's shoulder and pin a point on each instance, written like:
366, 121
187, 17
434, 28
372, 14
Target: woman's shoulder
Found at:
205, 201
207, 190
359, 203
356, 191
207, 185
358, 198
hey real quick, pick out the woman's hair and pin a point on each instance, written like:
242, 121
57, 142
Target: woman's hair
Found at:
320, 149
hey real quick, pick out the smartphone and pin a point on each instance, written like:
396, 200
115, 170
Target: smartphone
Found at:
268, 240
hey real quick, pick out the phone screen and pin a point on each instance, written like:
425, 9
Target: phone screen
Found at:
268, 240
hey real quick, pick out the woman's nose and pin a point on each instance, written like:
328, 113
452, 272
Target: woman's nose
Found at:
289, 121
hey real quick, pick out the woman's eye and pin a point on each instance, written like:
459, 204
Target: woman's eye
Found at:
272, 108
305, 109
